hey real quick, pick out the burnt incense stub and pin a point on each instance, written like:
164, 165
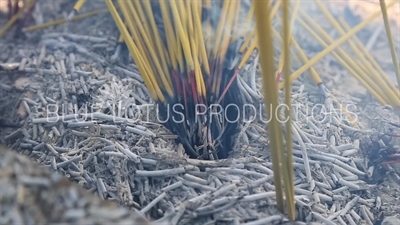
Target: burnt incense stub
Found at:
205, 130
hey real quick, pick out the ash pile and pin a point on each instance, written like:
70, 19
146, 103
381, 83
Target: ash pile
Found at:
68, 105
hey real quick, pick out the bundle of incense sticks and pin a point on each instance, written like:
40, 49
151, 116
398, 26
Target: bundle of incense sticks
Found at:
189, 54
